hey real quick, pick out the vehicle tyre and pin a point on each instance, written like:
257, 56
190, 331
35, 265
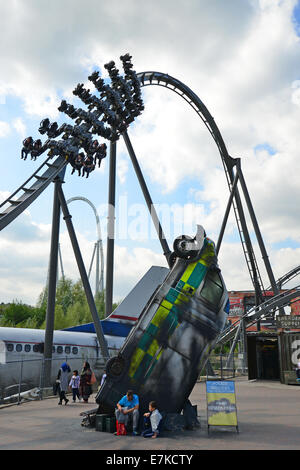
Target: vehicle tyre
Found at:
172, 259
180, 248
115, 367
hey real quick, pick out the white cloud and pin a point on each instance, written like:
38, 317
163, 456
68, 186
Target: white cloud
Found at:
240, 58
4, 195
296, 94
122, 169
20, 126
4, 129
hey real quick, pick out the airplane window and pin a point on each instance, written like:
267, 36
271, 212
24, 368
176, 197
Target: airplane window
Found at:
59, 349
27, 348
53, 349
35, 348
67, 349
10, 347
75, 350
19, 347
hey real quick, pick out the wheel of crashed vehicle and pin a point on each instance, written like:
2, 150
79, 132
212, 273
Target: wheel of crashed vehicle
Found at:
180, 247
172, 259
115, 367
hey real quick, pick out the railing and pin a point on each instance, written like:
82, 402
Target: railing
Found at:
26, 377
222, 366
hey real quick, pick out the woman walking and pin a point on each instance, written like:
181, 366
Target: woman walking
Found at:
63, 377
85, 382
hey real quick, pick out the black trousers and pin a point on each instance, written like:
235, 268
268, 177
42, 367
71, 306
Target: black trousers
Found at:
75, 392
62, 396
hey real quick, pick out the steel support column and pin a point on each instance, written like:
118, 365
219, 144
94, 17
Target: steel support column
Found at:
256, 229
83, 274
52, 280
97, 268
151, 208
110, 230
240, 218
229, 204
234, 343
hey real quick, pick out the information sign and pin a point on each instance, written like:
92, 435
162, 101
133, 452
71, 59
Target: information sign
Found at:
221, 404
288, 321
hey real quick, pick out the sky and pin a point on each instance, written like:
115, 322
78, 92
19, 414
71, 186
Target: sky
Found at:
241, 58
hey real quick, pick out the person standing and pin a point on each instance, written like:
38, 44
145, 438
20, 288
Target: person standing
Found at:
74, 384
63, 377
85, 382
298, 372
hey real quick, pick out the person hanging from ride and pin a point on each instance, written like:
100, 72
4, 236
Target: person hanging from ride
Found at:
98, 150
100, 154
27, 147
93, 147
88, 166
52, 130
77, 163
36, 150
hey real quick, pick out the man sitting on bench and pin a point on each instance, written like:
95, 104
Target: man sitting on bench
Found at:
127, 410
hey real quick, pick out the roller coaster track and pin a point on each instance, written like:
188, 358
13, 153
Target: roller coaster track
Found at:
287, 277
267, 306
13, 207
20, 199
171, 83
252, 316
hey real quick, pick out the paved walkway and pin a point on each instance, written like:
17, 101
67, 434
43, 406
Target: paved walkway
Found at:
268, 417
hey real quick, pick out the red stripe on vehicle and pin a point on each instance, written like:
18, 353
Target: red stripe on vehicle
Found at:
121, 317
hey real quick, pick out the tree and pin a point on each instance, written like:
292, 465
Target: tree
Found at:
64, 295
71, 308
18, 314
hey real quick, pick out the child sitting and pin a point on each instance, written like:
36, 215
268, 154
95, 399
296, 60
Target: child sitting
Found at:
152, 421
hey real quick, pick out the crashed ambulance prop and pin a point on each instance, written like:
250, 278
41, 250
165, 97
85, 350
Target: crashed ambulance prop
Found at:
164, 353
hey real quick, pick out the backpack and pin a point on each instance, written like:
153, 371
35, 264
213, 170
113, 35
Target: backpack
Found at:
121, 430
93, 378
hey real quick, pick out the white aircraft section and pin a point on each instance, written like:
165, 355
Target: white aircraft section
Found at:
25, 346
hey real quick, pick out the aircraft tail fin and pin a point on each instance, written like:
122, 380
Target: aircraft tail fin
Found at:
124, 317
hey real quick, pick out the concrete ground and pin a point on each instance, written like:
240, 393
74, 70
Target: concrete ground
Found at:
268, 418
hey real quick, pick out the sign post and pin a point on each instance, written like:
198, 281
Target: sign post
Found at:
288, 322
221, 404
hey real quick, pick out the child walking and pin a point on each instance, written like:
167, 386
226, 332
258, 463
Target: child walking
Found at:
74, 383
152, 421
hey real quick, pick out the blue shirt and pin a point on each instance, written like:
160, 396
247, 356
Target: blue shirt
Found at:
124, 402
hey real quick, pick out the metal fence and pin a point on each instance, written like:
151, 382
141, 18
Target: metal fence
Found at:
24, 379
225, 366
